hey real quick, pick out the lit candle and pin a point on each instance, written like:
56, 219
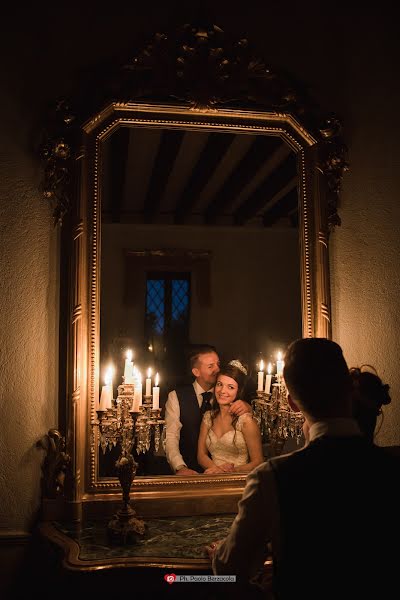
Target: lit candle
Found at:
279, 365
128, 371
106, 391
156, 393
260, 385
138, 393
148, 382
135, 403
268, 379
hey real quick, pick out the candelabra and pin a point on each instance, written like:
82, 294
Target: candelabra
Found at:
131, 426
278, 422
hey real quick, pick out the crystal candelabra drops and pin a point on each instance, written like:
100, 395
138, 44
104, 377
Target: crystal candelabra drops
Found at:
278, 422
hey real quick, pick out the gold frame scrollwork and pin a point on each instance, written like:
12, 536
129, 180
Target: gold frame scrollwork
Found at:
249, 98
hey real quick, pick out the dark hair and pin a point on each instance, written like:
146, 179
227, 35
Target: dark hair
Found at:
197, 350
241, 379
317, 376
237, 374
369, 394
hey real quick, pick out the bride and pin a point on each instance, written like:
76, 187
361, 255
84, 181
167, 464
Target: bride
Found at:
228, 443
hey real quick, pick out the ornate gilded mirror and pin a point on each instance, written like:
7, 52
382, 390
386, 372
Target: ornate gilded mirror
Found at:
198, 159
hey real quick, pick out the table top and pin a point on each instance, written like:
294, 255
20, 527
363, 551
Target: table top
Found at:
168, 542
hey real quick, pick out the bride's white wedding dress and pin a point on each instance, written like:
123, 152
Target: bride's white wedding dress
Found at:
229, 448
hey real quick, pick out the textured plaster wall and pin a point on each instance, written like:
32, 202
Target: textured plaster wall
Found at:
345, 56
365, 250
28, 326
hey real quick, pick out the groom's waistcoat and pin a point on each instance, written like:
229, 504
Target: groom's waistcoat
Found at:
190, 417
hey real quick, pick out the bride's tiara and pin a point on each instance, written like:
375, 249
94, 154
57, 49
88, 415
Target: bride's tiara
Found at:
238, 365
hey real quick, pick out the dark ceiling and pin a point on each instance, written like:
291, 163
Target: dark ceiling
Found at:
199, 177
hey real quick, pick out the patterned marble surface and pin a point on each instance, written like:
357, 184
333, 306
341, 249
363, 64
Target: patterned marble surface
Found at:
178, 537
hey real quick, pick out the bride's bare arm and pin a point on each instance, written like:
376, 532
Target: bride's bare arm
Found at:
252, 437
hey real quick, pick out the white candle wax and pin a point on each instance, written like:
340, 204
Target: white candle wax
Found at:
129, 376
106, 397
128, 371
148, 383
156, 394
268, 379
260, 379
135, 403
156, 397
106, 391
137, 394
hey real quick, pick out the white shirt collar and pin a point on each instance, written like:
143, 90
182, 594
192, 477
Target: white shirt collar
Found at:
198, 389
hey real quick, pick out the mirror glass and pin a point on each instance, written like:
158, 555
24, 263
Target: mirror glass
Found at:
199, 244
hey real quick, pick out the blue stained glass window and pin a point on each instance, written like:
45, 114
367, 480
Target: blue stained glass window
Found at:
180, 299
155, 304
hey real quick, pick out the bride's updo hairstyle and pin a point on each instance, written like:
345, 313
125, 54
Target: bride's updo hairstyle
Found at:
369, 394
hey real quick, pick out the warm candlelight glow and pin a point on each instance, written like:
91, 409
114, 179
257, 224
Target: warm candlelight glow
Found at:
150, 348
269, 368
261, 365
157, 380
108, 375
128, 371
106, 396
279, 365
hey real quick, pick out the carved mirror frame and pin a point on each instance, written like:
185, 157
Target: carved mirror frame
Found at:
195, 80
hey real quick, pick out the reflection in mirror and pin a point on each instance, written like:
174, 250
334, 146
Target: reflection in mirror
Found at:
199, 244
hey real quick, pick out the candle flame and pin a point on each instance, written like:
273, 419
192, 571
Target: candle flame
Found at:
156, 380
108, 375
149, 372
129, 354
150, 348
261, 365
279, 355
269, 368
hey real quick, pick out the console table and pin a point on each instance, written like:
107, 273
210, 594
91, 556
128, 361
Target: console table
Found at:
169, 542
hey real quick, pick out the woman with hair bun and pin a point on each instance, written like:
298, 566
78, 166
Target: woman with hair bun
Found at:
228, 443
369, 394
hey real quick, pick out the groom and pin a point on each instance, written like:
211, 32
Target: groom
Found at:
184, 411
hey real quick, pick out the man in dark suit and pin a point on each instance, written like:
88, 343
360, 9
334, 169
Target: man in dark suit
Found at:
185, 407
329, 511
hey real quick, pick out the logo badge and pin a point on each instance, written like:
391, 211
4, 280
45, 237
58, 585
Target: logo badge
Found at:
170, 577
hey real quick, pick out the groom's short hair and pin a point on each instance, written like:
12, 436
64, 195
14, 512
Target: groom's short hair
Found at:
196, 350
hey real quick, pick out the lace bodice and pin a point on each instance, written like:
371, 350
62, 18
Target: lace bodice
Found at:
231, 446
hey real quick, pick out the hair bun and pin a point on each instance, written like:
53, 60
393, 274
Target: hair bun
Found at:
386, 399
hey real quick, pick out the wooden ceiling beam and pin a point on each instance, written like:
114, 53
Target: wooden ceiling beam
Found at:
212, 153
266, 192
171, 141
286, 207
247, 168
